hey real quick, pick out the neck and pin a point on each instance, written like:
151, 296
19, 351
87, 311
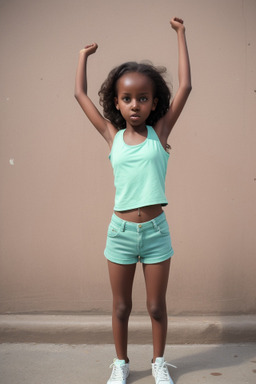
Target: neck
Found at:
137, 129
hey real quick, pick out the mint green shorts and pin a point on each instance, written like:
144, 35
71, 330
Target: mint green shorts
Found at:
128, 242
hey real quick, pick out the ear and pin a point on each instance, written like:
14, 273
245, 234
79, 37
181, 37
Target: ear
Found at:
155, 101
116, 103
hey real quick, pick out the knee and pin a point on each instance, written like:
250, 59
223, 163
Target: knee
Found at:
122, 310
157, 311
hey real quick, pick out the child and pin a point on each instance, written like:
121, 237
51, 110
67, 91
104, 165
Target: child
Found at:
136, 124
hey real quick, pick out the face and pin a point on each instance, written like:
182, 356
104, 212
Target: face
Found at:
135, 98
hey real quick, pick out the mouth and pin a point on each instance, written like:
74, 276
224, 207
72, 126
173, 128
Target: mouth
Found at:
135, 117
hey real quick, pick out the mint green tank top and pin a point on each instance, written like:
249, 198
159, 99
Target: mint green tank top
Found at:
139, 172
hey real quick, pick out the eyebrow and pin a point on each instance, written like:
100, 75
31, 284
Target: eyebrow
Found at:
140, 94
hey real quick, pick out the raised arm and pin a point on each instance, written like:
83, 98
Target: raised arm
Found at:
184, 78
104, 127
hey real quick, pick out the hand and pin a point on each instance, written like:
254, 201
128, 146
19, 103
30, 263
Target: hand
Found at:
177, 24
89, 49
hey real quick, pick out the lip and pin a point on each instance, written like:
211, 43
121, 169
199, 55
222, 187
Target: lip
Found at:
135, 117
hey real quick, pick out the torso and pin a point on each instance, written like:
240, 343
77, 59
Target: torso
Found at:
142, 214
146, 214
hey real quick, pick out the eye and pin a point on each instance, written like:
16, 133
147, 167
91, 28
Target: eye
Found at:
143, 99
126, 99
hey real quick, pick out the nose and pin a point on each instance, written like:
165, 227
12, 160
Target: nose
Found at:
135, 105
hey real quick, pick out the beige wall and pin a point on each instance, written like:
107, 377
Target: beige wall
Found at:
56, 181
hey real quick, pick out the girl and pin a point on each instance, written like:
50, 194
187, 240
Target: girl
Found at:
136, 124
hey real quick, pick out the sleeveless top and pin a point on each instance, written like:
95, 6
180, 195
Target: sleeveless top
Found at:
139, 171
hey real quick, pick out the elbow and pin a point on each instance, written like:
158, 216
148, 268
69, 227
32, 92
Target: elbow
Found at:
77, 95
189, 88
186, 89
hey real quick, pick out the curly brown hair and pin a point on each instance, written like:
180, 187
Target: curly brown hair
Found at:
108, 92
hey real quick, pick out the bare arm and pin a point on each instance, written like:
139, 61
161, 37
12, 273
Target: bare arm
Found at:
167, 122
104, 127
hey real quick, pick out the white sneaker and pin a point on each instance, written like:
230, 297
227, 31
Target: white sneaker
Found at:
160, 371
119, 373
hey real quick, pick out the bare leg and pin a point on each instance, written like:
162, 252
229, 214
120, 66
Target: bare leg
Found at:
121, 280
156, 278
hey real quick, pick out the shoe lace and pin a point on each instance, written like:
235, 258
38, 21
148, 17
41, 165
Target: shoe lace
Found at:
118, 372
162, 371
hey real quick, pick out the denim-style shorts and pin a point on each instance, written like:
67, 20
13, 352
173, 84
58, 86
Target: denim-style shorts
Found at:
148, 242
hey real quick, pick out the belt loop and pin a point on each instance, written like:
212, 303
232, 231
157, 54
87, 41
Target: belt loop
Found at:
154, 224
123, 226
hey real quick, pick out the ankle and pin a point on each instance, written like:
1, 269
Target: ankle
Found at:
157, 357
125, 359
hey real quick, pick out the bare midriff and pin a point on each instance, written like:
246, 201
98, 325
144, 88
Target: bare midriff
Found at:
140, 215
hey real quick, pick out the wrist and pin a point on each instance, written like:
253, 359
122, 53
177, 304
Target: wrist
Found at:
181, 30
83, 53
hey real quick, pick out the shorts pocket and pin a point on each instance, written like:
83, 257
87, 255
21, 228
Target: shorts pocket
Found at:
164, 228
113, 231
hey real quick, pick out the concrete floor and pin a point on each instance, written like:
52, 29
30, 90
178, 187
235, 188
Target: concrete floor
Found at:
88, 364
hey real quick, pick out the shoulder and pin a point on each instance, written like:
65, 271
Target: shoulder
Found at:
162, 129
161, 132
115, 135
111, 133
